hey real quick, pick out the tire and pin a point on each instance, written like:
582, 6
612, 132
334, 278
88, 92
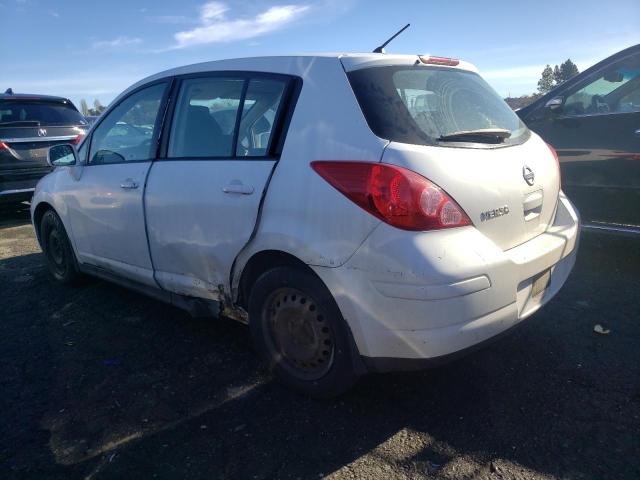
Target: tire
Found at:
298, 329
61, 260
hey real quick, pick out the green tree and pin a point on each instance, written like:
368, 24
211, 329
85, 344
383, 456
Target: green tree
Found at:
568, 69
552, 77
546, 81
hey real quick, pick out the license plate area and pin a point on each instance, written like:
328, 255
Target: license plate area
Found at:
540, 283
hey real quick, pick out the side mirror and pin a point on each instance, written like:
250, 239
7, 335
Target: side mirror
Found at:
61, 155
554, 103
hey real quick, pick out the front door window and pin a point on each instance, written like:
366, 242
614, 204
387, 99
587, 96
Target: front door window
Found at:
127, 133
615, 90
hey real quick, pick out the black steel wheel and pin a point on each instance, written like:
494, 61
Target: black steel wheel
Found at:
297, 327
297, 334
57, 249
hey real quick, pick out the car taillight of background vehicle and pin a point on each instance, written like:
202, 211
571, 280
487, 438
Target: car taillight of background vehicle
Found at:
396, 195
555, 155
78, 139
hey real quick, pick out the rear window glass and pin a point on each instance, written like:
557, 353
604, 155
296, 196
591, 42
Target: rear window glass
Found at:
45, 113
419, 105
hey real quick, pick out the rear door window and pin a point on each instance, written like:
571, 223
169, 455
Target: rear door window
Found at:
205, 118
420, 105
226, 117
39, 113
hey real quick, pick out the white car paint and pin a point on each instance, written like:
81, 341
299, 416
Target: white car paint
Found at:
108, 221
403, 294
428, 294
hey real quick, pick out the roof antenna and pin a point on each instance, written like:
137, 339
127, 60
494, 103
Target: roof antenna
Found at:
9, 91
380, 49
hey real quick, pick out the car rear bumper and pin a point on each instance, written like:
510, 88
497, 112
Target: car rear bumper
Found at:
427, 295
18, 185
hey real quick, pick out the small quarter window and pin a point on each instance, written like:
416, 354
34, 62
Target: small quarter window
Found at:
259, 115
82, 152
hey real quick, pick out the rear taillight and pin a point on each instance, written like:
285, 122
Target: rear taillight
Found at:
78, 139
395, 195
555, 155
4, 146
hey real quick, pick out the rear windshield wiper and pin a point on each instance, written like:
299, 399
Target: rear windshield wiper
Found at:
482, 135
22, 123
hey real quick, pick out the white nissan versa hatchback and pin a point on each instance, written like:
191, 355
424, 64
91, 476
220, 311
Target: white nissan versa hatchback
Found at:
361, 212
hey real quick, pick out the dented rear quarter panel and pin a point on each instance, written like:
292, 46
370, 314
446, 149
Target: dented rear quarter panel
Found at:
302, 214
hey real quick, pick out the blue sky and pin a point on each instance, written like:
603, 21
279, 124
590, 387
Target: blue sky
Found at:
90, 49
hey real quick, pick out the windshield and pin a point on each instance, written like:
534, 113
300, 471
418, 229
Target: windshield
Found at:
42, 113
425, 105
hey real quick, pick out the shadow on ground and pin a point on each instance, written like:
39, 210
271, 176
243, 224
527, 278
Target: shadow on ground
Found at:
12, 215
100, 382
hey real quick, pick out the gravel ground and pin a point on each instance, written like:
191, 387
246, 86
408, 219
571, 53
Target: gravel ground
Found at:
100, 382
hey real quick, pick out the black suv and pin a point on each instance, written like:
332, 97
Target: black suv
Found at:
593, 121
29, 125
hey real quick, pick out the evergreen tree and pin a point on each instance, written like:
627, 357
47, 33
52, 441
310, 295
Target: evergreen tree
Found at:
568, 69
552, 77
546, 81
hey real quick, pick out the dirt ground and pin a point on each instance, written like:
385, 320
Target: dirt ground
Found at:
100, 382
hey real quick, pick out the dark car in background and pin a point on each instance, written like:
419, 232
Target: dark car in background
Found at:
593, 121
29, 125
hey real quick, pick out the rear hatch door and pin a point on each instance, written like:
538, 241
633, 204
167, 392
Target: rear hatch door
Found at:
490, 185
447, 124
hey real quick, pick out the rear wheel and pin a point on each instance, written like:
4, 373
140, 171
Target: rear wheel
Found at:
297, 327
57, 249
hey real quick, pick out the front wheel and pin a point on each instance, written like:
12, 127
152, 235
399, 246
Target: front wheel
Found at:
57, 249
297, 327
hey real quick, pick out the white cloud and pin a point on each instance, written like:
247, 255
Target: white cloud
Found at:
211, 11
54, 14
216, 27
122, 41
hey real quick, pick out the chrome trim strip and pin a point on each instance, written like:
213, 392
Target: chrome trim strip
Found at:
38, 139
20, 190
590, 226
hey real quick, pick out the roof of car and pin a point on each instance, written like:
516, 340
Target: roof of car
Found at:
349, 59
292, 64
32, 96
